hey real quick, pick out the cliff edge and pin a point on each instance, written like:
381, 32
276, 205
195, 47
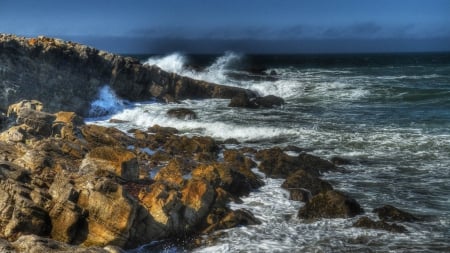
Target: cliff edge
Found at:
67, 76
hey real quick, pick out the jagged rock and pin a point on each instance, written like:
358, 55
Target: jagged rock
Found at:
301, 180
365, 222
68, 76
40, 123
391, 213
119, 161
172, 174
240, 217
13, 110
330, 204
105, 136
110, 216
20, 211
182, 113
69, 118
276, 163
6, 246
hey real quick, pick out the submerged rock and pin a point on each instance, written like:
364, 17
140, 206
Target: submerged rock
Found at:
391, 213
245, 101
182, 113
365, 222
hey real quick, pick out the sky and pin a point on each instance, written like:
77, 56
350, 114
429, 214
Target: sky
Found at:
248, 26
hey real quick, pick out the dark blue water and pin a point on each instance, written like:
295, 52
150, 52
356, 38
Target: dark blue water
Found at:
389, 114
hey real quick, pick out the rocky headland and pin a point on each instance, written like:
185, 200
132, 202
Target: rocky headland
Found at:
67, 186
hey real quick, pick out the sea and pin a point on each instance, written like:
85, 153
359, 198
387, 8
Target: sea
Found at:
389, 114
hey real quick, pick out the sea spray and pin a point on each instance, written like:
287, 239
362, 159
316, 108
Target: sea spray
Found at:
107, 103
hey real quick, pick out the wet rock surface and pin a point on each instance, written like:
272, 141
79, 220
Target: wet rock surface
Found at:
365, 222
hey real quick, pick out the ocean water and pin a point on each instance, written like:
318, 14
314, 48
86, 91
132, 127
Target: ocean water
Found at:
388, 114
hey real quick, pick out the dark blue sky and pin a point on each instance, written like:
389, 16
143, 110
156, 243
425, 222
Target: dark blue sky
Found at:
251, 26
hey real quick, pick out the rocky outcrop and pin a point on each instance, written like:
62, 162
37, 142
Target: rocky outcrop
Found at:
93, 186
330, 204
68, 76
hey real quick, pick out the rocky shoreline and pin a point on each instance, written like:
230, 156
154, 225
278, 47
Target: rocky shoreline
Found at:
68, 186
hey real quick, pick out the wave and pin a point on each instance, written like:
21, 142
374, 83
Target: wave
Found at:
107, 103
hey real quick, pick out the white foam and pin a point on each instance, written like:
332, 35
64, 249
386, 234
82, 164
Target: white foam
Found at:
107, 103
174, 62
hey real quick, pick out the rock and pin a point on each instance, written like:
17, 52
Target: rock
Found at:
243, 101
6, 246
110, 215
68, 76
105, 136
365, 222
239, 217
231, 141
164, 130
391, 213
302, 180
300, 194
275, 163
36, 244
40, 123
172, 174
13, 110
330, 204
197, 197
269, 101
338, 161
19, 213
182, 113
119, 161
118, 121
69, 118
246, 101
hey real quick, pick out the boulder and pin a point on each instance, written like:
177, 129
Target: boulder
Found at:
105, 136
365, 222
13, 110
275, 163
234, 218
391, 213
182, 113
121, 162
269, 101
246, 101
330, 204
301, 180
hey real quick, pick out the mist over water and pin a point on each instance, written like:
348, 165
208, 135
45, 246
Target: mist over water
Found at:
389, 114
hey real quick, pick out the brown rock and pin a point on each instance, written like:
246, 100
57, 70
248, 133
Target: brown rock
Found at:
275, 163
197, 197
69, 118
240, 217
117, 160
330, 204
302, 180
105, 136
110, 216
39, 122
